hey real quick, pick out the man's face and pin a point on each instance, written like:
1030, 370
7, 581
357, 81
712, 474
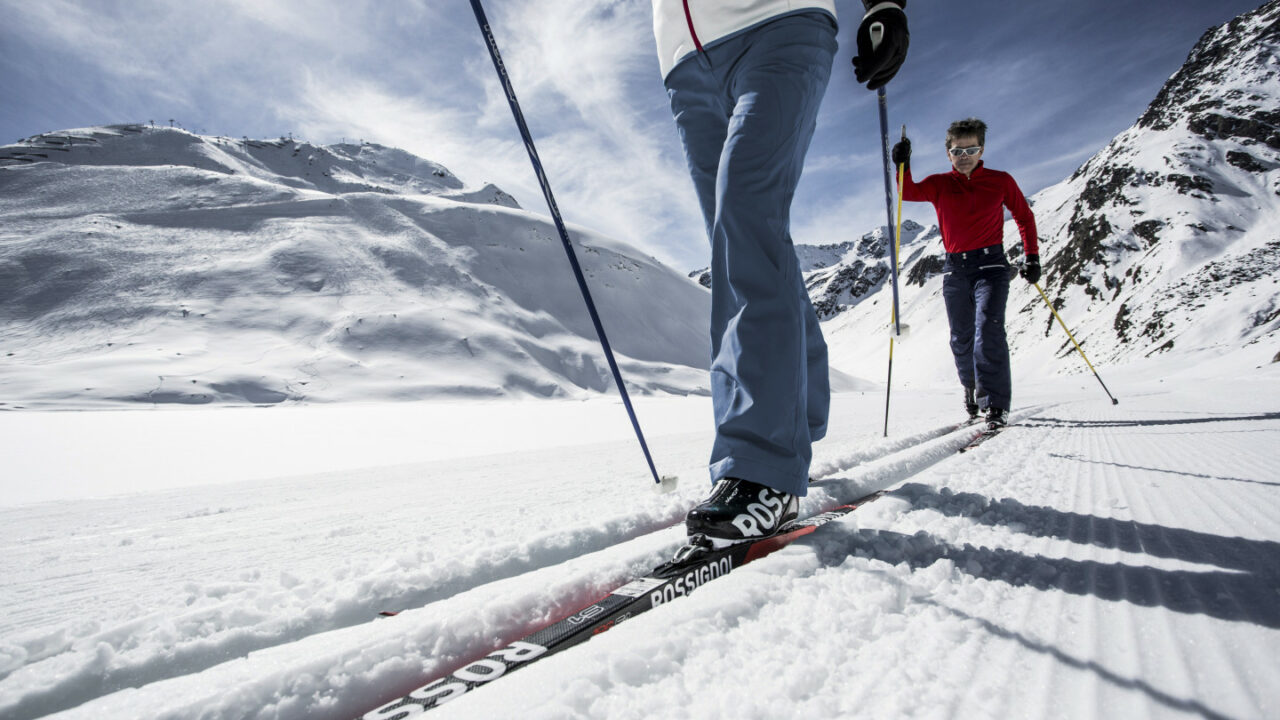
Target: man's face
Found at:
964, 162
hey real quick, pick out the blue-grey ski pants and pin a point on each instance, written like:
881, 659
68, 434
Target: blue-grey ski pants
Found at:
975, 289
746, 110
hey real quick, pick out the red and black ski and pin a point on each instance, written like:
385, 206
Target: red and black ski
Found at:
693, 567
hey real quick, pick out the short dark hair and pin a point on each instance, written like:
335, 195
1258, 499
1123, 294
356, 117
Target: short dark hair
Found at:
966, 127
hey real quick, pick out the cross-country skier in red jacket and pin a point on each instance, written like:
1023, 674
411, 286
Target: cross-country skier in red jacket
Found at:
970, 202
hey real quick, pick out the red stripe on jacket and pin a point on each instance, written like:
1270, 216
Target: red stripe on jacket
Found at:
692, 33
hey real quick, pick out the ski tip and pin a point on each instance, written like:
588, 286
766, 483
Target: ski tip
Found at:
667, 485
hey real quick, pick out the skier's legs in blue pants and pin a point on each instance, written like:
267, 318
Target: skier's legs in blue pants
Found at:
746, 111
975, 300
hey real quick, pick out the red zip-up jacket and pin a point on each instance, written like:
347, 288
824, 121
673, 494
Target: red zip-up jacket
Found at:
971, 210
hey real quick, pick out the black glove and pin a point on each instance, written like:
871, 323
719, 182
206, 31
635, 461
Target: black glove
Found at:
1031, 269
877, 65
902, 152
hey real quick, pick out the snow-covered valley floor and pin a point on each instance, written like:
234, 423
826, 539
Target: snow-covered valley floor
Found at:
1094, 561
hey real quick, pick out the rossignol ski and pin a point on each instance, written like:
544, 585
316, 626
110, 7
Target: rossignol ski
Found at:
694, 565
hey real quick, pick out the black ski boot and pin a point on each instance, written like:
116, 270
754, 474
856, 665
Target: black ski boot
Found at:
971, 402
997, 418
741, 510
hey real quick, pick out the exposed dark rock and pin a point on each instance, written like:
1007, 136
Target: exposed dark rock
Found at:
1084, 251
1105, 187
873, 245
924, 268
836, 289
1149, 230
1122, 323
1260, 127
1245, 161
703, 277
1190, 184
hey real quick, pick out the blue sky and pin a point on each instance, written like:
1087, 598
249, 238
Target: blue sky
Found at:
1054, 79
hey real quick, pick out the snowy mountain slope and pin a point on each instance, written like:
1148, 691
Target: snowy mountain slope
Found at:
861, 272
143, 265
1089, 562
841, 275
1164, 241
1167, 238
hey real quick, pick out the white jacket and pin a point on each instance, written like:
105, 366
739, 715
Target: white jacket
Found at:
713, 20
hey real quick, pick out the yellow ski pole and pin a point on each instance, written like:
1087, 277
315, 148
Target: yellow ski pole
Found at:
893, 312
1114, 401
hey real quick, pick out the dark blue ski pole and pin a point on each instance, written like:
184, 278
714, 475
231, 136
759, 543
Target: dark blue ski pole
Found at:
666, 483
888, 204
893, 245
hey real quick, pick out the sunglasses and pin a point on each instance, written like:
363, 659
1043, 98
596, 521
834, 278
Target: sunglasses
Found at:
957, 152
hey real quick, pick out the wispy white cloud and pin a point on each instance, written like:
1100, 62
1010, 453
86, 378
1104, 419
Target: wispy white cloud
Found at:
414, 75
587, 77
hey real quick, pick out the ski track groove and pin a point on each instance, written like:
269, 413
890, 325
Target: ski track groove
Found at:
1163, 635
1083, 499
1054, 677
1123, 539
1131, 656
1181, 587
1008, 650
540, 554
1209, 644
1106, 525
1027, 607
1013, 603
195, 656
1126, 659
1050, 670
1155, 638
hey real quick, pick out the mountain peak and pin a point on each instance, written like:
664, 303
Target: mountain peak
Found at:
284, 162
1227, 86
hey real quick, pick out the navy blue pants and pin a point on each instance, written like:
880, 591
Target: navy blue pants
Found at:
975, 288
746, 111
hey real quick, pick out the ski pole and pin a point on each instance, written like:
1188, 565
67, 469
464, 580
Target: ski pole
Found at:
888, 385
665, 483
893, 248
897, 239
1114, 401
897, 321
888, 202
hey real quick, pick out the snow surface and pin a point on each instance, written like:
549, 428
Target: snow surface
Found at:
1093, 561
